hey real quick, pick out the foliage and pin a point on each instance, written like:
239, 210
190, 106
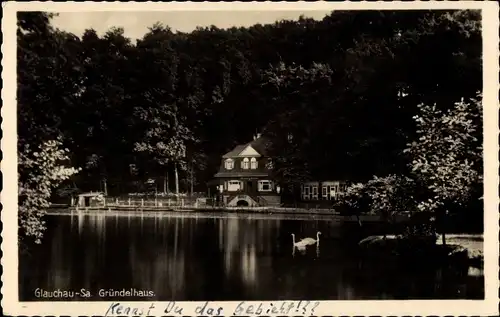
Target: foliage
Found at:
171, 98
357, 199
46, 93
164, 141
41, 169
446, 166
294, 89
447, 156
417, 237
386, 196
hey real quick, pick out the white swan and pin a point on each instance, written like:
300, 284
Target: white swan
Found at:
302, 244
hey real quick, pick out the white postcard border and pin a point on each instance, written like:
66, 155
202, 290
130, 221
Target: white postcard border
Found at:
489, 306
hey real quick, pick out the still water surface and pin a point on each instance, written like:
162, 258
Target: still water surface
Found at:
190, 257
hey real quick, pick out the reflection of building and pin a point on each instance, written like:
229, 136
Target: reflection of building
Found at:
244, 176
327, 190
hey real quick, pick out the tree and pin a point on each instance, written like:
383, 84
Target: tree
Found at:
326, 110
165, 142
46, 90
48, 77
386, 196
446, 163
447, 155
299, 100
101, 128
41, 170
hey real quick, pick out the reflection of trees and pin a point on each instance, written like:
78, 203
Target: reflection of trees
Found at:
183, 258
247, 246
60, 273
73, 262
162, 266
81, 222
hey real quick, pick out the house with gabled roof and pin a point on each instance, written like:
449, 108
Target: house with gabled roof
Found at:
244, 176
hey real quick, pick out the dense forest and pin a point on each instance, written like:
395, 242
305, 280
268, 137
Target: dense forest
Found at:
335, 98
344, 89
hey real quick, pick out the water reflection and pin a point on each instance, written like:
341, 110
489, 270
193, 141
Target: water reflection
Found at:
241, 242
197, 257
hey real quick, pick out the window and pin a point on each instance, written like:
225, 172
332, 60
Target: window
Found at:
229, 164
245, 163
253, 163
265, 186
324, 192
315, 192
334, 189
234, 186
305, 193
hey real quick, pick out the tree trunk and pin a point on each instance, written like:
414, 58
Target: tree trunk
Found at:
165, 182
192, 178
105, 187
443, 228
359, 220
176, 173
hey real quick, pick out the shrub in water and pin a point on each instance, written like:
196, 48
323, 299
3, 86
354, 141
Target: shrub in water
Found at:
417, 239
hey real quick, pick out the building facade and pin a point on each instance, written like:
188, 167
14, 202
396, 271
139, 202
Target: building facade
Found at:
326, 190
244, 177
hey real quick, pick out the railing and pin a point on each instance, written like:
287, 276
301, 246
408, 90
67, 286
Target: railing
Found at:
260, 200
154, 202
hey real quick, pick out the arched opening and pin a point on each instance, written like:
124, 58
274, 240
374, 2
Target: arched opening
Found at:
229, 164
245, 163
253, 163
242, 203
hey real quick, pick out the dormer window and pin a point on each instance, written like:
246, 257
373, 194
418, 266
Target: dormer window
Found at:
229, 164
245, 164
253, 163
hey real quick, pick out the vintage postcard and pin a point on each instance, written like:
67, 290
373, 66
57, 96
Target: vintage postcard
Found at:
250, 159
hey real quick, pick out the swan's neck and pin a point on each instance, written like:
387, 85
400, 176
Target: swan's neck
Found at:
317, 236
293, 238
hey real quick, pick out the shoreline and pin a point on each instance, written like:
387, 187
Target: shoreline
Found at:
465, 247
280, 212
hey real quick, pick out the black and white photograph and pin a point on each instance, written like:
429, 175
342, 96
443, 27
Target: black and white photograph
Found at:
276, 157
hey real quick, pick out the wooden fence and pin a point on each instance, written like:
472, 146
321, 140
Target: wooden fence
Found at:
157, 202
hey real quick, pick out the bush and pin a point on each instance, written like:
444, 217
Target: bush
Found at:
41, 170
418, 238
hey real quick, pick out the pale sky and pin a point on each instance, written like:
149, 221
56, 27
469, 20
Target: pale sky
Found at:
136, 24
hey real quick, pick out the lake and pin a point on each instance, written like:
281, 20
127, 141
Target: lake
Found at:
197, 257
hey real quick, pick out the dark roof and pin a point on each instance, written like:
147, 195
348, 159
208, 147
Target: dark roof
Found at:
258, 145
